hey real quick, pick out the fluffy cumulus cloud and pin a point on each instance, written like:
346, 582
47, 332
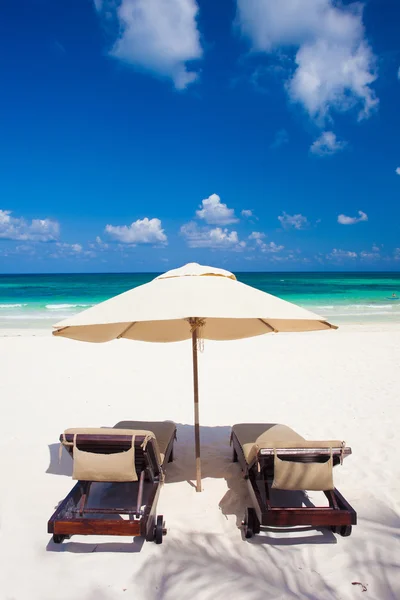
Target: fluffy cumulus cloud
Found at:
345, 220
214, 212
247, 214
217, 238
142, 231
327, 144
258, 237
293, 221
335, 66
398, 170
159, 36
338, 254
36, 230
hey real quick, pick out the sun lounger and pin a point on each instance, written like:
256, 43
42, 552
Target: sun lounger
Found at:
132, 457
274, 456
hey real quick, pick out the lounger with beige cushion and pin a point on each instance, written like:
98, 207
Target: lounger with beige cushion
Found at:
275, 456
132, 455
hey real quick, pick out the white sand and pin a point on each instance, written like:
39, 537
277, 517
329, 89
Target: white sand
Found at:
341, 384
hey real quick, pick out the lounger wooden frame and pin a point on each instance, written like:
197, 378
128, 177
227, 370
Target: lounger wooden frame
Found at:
339, 516
72, 516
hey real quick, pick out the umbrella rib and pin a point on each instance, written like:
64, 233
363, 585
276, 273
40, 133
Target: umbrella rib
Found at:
329, 325
269, 326
126, 330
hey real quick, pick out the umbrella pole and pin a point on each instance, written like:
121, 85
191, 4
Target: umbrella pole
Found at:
196, 408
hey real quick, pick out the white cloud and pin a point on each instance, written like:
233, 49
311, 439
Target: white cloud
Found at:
158, 36
142, 231
270, 247
36, 230
335, 66
338, 254
367, 255
214, 212
256, 235
281, 138
398, 170
396, 254
98, 244
327, 144
247, 214
74, 248
345, 220
66, 250
202, 237
293, 221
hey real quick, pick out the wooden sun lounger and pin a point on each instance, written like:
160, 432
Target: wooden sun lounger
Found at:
257, 464
74, 515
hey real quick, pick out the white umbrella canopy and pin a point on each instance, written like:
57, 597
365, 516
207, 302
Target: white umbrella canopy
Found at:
186, 303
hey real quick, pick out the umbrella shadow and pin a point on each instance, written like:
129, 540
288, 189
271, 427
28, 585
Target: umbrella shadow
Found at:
215, 454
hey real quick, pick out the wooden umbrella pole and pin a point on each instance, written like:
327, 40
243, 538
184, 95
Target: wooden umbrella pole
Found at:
196, 407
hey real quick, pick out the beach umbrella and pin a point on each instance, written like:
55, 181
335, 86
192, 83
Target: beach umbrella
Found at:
193, 302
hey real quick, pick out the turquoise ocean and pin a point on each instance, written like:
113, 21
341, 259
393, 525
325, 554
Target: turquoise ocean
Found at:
38, 301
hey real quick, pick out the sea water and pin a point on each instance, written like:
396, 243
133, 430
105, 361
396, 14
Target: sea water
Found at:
41, 300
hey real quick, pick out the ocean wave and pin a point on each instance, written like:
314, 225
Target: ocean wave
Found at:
364, 314
64, 306
329, 306
12, 305
374, 306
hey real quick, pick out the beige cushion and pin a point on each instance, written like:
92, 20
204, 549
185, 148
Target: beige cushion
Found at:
90, 466
253, 436
163, 430
290, 475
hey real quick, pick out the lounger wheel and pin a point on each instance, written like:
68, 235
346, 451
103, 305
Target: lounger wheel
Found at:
159, 530
343, 530
58, 538
251, 524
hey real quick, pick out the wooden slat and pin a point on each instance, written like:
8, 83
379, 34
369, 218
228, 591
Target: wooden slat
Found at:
97, 527
289, 517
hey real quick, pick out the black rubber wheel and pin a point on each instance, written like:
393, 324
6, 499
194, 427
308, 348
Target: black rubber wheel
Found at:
334, 529
345, 530
251, 524
159, 530
58, 538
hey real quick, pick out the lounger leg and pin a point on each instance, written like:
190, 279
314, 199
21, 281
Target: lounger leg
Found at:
140, 494
83, 501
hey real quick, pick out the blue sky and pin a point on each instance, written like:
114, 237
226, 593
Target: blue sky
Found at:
138, 135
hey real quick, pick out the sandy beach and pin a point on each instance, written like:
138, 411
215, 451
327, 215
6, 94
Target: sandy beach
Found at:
342, 384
